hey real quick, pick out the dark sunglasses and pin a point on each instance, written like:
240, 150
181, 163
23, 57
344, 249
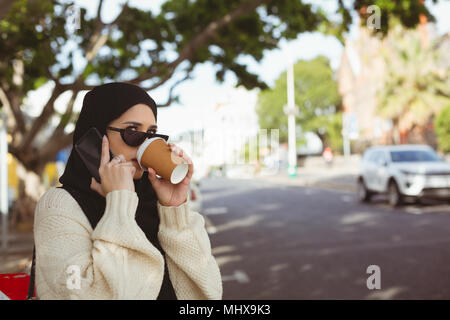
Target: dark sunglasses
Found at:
134, 138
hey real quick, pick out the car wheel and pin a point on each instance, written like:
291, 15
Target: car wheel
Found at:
395, 198
364, 195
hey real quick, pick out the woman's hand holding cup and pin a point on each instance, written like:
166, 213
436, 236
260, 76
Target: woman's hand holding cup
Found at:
116, 174
170, 194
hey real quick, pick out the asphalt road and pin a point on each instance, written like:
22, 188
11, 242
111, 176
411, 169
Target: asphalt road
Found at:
276, 241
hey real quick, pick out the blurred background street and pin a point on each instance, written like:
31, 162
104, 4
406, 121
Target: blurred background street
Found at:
319, 130
284, 241
308, 237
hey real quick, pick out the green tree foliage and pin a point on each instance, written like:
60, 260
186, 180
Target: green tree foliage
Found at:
140, 45
407, 12
442, 128
329, 128
415, 83
145, 48
316, 96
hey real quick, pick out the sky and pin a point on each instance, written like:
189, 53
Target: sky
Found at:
200, 96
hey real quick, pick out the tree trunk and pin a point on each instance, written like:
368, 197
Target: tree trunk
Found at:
5, 5
403, 136
30, 190
395, 131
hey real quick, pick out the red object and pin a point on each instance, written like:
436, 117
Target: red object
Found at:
15, 285
327, 154
193, 196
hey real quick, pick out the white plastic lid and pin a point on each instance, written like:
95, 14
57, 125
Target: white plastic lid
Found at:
179, 173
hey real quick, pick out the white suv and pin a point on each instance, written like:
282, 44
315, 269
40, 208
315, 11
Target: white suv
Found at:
403, 170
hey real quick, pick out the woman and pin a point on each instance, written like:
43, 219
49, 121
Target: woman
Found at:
132, 236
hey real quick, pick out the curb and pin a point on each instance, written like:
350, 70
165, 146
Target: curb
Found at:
350, 187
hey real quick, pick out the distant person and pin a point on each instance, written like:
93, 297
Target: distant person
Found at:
122, 238
328, 156
257, 168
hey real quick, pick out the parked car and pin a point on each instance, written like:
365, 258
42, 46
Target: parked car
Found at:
403, 171
195, 196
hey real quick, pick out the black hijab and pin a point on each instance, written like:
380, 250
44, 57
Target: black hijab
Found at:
102, 105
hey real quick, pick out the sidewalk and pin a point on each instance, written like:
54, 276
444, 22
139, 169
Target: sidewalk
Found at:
344, 182
19, 252
315, 173
341, 176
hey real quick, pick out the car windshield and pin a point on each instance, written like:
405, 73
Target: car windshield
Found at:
414, 156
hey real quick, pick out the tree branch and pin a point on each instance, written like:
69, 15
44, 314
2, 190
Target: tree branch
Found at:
65, 119
8, 110
12, 101
5, 5
98, 39
160, 82
99, 12
4, 99
209, 32
42, 120
59, 139
124, 8
188, 52
51, 149
77, 85
171, 97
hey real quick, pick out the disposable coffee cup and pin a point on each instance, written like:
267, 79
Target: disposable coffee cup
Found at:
155, 153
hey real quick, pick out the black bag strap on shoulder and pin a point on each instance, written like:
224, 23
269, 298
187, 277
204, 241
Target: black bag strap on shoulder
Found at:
32, 273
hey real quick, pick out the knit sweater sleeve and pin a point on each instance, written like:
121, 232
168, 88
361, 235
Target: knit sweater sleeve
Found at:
113, 261
193, 269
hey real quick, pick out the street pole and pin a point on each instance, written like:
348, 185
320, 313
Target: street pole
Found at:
4, 180
349, 131
291, 112
346, 146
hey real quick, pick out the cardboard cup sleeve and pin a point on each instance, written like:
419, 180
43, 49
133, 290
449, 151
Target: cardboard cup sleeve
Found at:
155, 153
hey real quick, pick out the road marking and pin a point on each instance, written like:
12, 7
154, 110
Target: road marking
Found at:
347, 198
215, 210
413, 210
238, 275
210, 228
309, 191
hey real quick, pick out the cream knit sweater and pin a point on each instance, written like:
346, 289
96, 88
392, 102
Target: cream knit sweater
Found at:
116, 260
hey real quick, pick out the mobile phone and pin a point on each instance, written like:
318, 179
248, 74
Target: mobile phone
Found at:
89, 148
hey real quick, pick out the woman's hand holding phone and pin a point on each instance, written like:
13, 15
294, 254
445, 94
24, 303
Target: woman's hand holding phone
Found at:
114, 175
